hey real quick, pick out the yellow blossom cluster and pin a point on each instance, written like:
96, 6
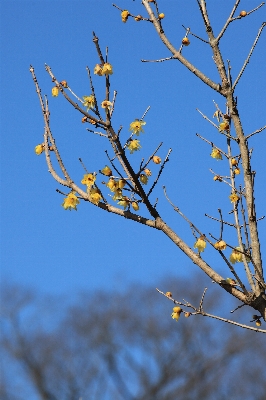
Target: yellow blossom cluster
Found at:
105, 69
70, 202
94, 192
116, 187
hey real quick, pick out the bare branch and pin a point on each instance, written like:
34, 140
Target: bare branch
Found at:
249, 55
255, 132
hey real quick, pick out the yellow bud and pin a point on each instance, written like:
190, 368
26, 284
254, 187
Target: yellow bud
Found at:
106, 171
234, 162
138, 18
55, 91
187, 314
64, 84
258, 322
237, 171
168, 294
185, 41
147, 171
135, 206
39, 149
84, 119
161, 15
243, 13
143, 179
156, 160
121, 183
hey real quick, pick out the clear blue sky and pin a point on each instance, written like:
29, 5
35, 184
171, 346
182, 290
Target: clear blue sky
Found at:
58, 251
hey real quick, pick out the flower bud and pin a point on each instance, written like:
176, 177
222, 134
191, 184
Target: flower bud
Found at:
161, 15
185, 41
156, 160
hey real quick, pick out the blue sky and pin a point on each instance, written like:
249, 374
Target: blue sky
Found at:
58, 251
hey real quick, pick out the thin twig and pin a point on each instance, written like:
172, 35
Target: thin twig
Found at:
204, 314
255, 132
160, 60
249, 55
159, 173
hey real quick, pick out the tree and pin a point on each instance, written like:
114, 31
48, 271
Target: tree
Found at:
127, 182
123, 348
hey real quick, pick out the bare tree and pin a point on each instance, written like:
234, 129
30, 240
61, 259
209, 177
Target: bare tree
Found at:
128, 184
122, 348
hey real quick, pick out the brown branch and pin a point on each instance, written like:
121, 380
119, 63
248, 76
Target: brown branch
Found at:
176, 53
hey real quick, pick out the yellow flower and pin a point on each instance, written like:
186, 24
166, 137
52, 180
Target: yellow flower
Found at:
220, 245
64, 84
176, 313
216, 154
106, 171
95, 195
147, 171
125, 15
217, 178
106, 104
143, 179
70, 202
124, 202
112, 184
161, 15
133, 145
224, 126
39, 149
89, 101
121, 183
200, 244
55, 91
237, 171
236, 256
135, 206
136, 126
156, 160
234, 197
98, 70
185, 41
107, 69
88, 180
118, 195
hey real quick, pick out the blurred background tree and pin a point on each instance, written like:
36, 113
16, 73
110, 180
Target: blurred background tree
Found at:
115, 345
